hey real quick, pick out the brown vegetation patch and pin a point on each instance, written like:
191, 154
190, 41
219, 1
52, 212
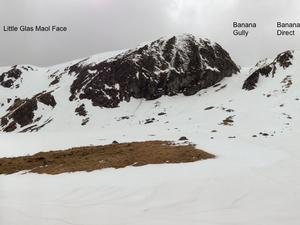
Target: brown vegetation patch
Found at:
105, 156
228, 121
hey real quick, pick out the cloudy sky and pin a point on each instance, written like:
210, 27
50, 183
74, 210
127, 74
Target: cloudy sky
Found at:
96, 26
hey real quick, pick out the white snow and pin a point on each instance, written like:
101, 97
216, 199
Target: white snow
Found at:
253, 180
117, 86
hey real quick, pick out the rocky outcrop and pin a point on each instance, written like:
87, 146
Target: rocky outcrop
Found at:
268, 69
46, 98
7, 79
180, 64
13, 77
80, 110
22, 112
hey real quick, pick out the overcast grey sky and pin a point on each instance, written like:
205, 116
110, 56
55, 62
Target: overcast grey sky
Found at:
96, 26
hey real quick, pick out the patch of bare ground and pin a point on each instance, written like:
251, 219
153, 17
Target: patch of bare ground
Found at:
104, 156
228, 121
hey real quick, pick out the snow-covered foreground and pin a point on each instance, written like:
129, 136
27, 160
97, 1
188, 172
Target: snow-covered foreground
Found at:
253, 180
246, 184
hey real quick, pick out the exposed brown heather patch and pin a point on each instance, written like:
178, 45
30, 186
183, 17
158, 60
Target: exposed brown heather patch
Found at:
228, 121
106, 156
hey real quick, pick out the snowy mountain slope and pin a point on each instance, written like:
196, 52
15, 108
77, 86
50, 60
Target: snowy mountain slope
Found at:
268, 69
253, 180
222, 110
168, 66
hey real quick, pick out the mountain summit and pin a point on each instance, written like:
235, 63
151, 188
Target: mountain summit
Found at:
168, 66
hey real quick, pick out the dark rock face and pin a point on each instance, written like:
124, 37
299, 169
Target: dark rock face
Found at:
181, 64
283, 60
21, 112
8, 78
80, 110
47, 99
183, 138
